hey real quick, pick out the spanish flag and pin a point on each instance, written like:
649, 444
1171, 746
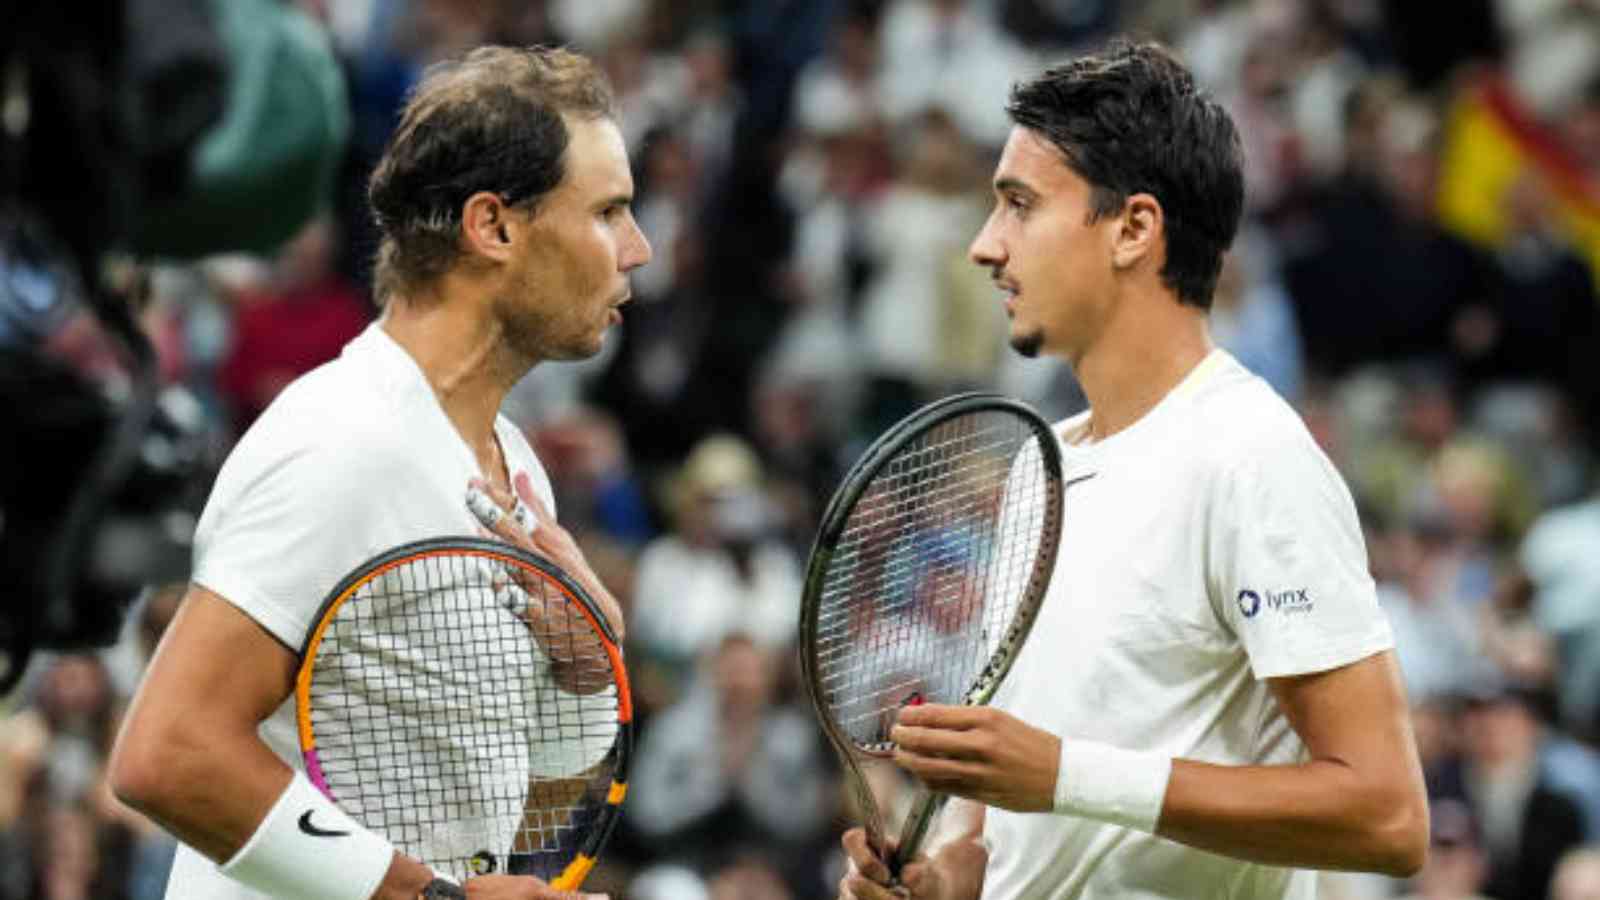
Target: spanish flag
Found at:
1491, 142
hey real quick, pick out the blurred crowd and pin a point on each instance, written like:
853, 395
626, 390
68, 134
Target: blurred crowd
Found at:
1416, 274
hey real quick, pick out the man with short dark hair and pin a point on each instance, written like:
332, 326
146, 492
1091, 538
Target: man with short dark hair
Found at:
1209, 704
504, 202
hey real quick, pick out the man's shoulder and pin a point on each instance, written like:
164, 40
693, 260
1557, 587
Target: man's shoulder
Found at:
1239, 420
314, 424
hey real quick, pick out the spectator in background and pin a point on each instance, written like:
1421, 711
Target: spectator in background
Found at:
1408, 306
711, 102
1559, 557
800, 420
1253, 318
1056, 28
596, 488
949, 53
749, 877
24, 745
928, 320
300, 318
722, 570
68, 860
1390, 458
1437, 638
728, 765
1525, 822
1577, 875
667, 881
1456, 868
1260, 106
838, 91
1544, 327
80, 713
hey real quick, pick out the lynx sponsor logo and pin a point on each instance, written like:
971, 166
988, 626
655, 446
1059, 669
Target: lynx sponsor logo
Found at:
1290, 601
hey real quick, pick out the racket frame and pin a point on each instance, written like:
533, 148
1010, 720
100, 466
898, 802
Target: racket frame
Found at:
573, 875
834, 520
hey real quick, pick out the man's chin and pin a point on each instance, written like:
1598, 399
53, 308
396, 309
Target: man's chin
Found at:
1028, 344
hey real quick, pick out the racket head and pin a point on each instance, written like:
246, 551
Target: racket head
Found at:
938, 546
468, 701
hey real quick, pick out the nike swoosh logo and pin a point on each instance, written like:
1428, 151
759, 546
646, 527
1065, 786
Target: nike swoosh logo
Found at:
1072, 481
314, 831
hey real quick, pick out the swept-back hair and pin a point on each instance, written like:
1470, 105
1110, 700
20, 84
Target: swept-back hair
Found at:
1130, 120
490, 120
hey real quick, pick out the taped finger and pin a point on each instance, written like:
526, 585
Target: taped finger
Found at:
487, 512
525, 517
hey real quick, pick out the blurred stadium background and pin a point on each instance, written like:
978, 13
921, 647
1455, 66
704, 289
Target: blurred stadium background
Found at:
1417, 274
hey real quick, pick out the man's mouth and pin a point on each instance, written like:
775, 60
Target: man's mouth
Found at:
1009, 291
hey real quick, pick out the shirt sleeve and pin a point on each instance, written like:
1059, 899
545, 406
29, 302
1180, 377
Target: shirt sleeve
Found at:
1288, 564
288, 524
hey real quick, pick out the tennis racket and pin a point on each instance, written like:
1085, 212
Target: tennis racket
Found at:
467, 700
928, 570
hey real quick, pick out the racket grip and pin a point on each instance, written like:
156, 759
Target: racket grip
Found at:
915, 831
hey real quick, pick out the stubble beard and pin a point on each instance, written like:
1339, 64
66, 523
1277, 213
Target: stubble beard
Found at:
534, 333
1029, 344
524, 329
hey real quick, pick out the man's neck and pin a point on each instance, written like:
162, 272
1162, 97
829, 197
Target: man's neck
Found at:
461, 350
1147, 349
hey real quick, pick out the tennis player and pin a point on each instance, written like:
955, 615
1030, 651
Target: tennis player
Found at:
507, 234
1209, 704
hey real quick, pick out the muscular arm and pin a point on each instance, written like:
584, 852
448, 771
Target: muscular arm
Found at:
189, 756
1357, 803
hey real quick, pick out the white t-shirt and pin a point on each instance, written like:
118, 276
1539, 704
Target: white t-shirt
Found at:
1205, 548
351, 460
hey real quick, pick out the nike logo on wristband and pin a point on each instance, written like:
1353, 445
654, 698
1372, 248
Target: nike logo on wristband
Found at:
314, 831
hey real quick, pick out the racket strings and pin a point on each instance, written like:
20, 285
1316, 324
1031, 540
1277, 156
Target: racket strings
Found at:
930, 571
458, 711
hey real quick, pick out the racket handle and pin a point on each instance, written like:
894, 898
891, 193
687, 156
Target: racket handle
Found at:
915, 831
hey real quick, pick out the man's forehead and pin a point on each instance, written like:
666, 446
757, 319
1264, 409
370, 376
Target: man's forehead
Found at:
1030, 161
596, 153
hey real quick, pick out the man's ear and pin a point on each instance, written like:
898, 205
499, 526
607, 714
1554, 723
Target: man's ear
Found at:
486, 228
1141, 229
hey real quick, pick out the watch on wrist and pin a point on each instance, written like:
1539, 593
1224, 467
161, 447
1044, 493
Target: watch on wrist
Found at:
440, 889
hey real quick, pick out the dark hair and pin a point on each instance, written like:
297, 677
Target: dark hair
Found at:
491, 120
1130, 120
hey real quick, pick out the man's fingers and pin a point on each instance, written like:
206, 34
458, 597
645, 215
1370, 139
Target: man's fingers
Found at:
856, 887
496, 512
523, 485
859, 849
940, 742
940, 715
940, 774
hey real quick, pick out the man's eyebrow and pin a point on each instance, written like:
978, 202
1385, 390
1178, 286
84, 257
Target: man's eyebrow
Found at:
1011, 185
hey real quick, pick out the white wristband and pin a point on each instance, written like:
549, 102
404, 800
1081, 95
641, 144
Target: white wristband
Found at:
1110, 784
307, 847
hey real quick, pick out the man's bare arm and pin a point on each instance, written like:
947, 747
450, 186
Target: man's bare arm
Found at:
189, 755
1357, 803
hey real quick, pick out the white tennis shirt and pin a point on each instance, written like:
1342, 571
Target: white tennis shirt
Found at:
1205, 548
352, 459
